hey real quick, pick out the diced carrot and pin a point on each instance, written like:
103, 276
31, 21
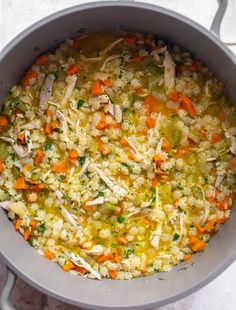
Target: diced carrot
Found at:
160, 172
196, 244
113, 126
47, 129
173, 95
124, 142
21, 138
232, 163
150, 122
131, 39
136, 58
107, 83
30, 75
157, 159
222, 220
165, 145
215, 138
18, 224
112, 273
154, 182
26, 167
69, 266
203, 133
39, 154
49, 255
152, 104
112, 255
187, 257
187, 105
19, 184
149, 41
144, 132
41, 60
3, 121
73, 155
54, 124
33, 224
1, 166
181, 153
26, 234
122, 240
130, 155
72, 69
49, 112
106, 150
208, 227
100, 122
36, 188
81, 270
117, 210
59, 168
222, 205
222, 116
96, 89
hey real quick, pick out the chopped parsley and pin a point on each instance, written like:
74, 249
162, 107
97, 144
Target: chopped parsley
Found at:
80, 103
120, 218
48, 144
129, 252
82, 160
176, 237
41, 228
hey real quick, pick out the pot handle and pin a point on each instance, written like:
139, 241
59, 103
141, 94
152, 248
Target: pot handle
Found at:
217, 21
6, 291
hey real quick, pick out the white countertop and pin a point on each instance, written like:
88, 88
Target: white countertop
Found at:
15, 16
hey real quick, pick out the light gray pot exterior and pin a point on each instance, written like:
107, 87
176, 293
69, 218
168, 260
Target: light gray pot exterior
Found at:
140, 293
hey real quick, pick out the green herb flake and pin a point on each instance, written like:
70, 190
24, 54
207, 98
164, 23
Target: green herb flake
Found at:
176, 237
82, 160
80, 103
129, 252
120, 218
31, 240
41, 228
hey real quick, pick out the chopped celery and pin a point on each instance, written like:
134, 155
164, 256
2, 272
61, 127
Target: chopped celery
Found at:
3, 151
22, 106
197, 192
15, 171
35, 176
107, 207
221, 148
193, 135
93, 146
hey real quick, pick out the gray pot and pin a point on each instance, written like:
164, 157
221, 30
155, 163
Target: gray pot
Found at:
46, 276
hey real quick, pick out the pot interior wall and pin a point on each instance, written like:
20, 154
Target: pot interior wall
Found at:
47, 275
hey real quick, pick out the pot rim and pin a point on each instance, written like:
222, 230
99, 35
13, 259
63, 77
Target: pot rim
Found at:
133, 4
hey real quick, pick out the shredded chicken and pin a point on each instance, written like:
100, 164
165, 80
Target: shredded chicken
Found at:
45, 93
97, 201
155, 236
95, 250
70, 219
84, 168
4, 205
71, 80
118, 190
110, 58
19, 149
219, 181
233, 144
110, 46
169, 73
79, 261
118, 113
36, 124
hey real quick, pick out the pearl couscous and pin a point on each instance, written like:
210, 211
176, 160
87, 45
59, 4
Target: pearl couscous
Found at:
117, 155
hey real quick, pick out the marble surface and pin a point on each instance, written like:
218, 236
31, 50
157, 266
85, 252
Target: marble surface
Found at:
15, 16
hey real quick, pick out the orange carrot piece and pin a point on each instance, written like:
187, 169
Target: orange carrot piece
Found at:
47, 129
181, 153
102, 122
68, 266
152, 104
96, 89
165, 145
26, 234
18, 224
150, 122
49, 112
59, 168
28, 77
1, 166
130, 155
117, 210
222, 205
41, 60
157, 159
54, 125
136, 58
19, 184
222, 220
124, 142
187, 105
21, 138
81, 270
3, 121
112, 273
173, 95
122, 240
196, 244
222, 116
107, 83
73, 155
26, 167
187, 257
106, 150
39, 154
33, 224
49, 255
215, 138
131, 39
112, 255
154, 182
72, 69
